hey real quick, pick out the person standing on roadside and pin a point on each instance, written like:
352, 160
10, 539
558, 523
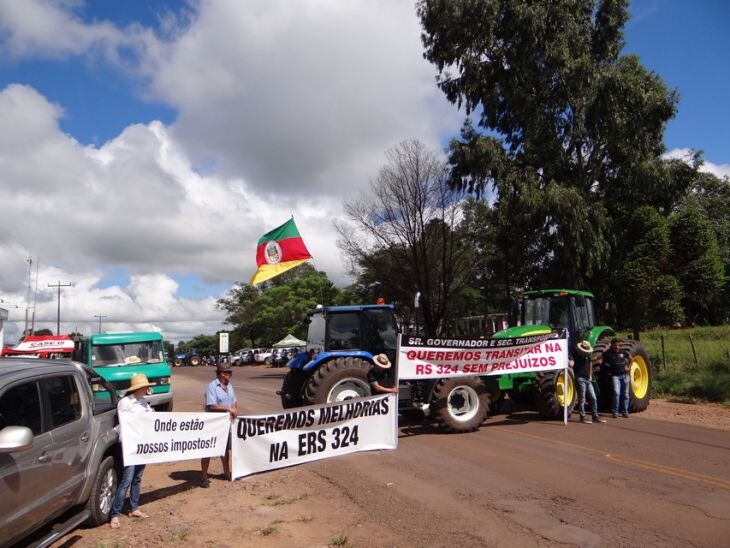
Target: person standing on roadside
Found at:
583, 371
379, 376
220, 398
618, 363
134, 401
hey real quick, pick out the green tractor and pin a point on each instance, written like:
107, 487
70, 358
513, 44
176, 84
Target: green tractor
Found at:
547, 309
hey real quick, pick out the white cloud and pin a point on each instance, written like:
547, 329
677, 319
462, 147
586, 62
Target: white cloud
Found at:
300, 97
51, 29
137, 204
283, 108
719, 170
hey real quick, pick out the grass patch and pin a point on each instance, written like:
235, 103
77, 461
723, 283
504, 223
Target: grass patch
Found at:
339, 540
683, 378
270, 528
305, 519
179, 534
276, 500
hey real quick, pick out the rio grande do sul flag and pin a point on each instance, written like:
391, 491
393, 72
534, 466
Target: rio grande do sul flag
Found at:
278, 251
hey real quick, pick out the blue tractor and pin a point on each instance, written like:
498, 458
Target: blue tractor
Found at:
344, 340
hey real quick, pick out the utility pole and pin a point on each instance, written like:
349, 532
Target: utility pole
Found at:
100, 316
35, 298
59, 285
29, 260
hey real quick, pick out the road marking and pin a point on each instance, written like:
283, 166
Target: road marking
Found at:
684, 474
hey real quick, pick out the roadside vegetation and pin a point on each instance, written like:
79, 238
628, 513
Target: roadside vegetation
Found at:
685, 375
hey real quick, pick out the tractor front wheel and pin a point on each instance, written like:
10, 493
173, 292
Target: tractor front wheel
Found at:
460, 404
338, 380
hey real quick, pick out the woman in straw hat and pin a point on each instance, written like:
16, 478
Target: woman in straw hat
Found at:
133, 402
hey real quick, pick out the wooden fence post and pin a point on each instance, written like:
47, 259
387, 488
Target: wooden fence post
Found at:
664, 355
694, 352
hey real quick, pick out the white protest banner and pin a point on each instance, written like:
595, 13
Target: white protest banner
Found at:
434, 358
149, 438
296, 436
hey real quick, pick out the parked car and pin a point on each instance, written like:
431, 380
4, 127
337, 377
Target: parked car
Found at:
244, 356
58, 447
262, 355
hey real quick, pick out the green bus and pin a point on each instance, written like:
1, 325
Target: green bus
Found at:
118, 356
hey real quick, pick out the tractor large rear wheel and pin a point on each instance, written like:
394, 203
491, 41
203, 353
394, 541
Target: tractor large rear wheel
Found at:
641, 374
460, 404
552, 391
338, 380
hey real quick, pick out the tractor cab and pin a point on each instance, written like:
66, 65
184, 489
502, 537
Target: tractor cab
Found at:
541, 311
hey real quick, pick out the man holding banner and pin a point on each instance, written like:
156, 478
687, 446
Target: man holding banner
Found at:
220, 398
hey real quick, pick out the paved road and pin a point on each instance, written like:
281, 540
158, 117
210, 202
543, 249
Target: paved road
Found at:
524, 481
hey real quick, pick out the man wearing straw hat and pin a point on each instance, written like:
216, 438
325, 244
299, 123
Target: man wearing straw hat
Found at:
134, 401
583, 371
379, 376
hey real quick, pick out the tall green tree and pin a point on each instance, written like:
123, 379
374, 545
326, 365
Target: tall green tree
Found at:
644, 289
711, 195
572, 128
697, 263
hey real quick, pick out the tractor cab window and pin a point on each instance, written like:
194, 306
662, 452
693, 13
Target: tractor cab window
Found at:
585, 318
315, 332
379, 331
552, 311
344, 331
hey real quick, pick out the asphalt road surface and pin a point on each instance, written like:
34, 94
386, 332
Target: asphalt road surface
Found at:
522, 481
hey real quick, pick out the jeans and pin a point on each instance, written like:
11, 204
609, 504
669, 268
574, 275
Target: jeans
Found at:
621, 384
131, 475
585, 390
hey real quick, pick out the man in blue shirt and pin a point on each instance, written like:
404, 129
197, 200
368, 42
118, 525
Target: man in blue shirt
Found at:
220, 398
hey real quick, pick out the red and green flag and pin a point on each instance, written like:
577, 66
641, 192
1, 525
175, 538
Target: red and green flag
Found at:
278, 251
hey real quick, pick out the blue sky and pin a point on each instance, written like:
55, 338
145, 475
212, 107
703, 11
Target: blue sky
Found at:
159, 140
688, 44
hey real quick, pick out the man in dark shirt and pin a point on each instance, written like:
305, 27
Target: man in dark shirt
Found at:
583, 372
379, 376
618, 363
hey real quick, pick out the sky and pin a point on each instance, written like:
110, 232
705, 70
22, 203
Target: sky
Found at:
146, 146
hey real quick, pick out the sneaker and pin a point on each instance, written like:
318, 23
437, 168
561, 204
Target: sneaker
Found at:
625, 415
599, 419
205, 483
615, 415
586, 420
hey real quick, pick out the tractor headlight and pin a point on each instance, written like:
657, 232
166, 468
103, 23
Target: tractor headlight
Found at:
164, 380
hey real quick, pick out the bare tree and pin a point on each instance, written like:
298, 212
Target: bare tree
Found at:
406, 229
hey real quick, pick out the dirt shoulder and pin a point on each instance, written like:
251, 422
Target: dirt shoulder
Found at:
709, 415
